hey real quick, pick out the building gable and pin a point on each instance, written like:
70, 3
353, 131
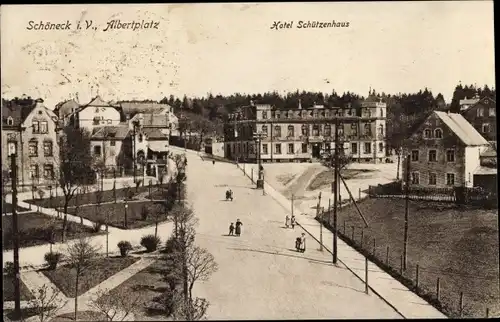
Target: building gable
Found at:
485, 102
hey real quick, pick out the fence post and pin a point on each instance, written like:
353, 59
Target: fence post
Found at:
252, 174
352, 236
438, 288
416, 277
344, 227
487, 312
387, 256
362, 237
461, 304
374, 246
359, 194
366, 275
401, 266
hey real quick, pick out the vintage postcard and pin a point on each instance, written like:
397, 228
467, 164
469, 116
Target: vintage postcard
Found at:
329, 160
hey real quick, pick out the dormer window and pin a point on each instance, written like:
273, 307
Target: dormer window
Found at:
427, 133
10, 120
438, 134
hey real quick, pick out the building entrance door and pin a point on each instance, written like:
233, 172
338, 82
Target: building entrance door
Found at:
316, 151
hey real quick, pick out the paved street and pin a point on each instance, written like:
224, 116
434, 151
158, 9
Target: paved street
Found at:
260, 274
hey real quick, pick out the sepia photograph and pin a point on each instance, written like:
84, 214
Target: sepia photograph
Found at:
249, 161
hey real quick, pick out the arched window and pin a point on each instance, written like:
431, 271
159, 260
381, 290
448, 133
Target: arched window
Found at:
277, 131
264, 129
427, 133
140, 138
315, 130
328, 130
381, 129
368, 129
438, 134
291, 131
10, 120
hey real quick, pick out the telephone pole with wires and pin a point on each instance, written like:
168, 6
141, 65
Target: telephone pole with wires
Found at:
15, 231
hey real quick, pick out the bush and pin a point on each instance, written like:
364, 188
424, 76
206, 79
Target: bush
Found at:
52, 259
124, 247
150, 242
144, 213
96, 226
9, 269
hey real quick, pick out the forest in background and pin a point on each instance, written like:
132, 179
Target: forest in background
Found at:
206, 115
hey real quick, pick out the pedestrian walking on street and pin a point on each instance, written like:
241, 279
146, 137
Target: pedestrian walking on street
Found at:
298, 241
238, 227
292, 221
231, 194
213, 162
231, 229
287, 221
303, 243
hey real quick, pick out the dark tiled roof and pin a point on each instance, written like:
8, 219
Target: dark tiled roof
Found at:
18, 110
154, 133
118, 132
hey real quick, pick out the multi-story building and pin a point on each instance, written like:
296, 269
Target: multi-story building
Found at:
304, 134
444, 151
29, 130
66, 110
111, 146
482, 115
97, 113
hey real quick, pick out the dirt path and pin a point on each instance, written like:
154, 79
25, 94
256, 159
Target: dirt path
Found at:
298, 186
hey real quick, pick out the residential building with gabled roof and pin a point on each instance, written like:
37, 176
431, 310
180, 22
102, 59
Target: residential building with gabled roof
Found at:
97, 113
444, 151
482, 116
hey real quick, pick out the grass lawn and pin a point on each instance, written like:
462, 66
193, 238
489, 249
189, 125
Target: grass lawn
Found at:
115, 213
458, 245
148, 284
7, 208
91, 197
8, 289
34, 230
102, 268
81, 316
285, 179
326, 177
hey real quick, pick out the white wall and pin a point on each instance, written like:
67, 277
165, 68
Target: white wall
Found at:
109, 116
472, 161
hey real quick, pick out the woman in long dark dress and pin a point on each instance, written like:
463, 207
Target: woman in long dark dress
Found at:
238, 227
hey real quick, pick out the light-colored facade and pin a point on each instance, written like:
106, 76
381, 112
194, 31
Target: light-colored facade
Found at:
29, 129
305, 134
444, 151
96, 114
111, 147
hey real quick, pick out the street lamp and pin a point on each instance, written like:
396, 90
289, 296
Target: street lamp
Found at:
126, 206
258, 136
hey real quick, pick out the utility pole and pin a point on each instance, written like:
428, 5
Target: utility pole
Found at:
258, 138
133, 157
399, 163
15, 230
336, 190
407, 209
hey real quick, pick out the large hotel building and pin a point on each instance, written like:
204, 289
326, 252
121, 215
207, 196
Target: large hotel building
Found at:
303, 134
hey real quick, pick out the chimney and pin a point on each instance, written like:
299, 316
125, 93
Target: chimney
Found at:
300, 104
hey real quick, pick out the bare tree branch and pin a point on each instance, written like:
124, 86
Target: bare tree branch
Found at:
46, 302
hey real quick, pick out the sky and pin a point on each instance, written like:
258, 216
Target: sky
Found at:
227, 48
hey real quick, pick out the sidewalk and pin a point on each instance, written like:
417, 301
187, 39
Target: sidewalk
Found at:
392, 291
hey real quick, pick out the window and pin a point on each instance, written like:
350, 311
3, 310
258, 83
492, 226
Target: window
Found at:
415, 178
432, 179
109, 122
438, 134
432, 155
486, 128
48, 171
450, 156
277, 147
264, 115
264, 148
328, 130
47, 149
427, 133
11, 146
277, 131
264, 129
381, 147
278, 115
112, 143
97, 110
34, 171
354, 129
36, 128
290, 131
304, 148
341, 129
480, 112
368, 129
354, 148
450, 179
414, 155
368, 147
141, 138
96, 121
44, 127
315, 130
381, 112
492, 111
33, 148
10, 120
305, 130
97, 150
291, 148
